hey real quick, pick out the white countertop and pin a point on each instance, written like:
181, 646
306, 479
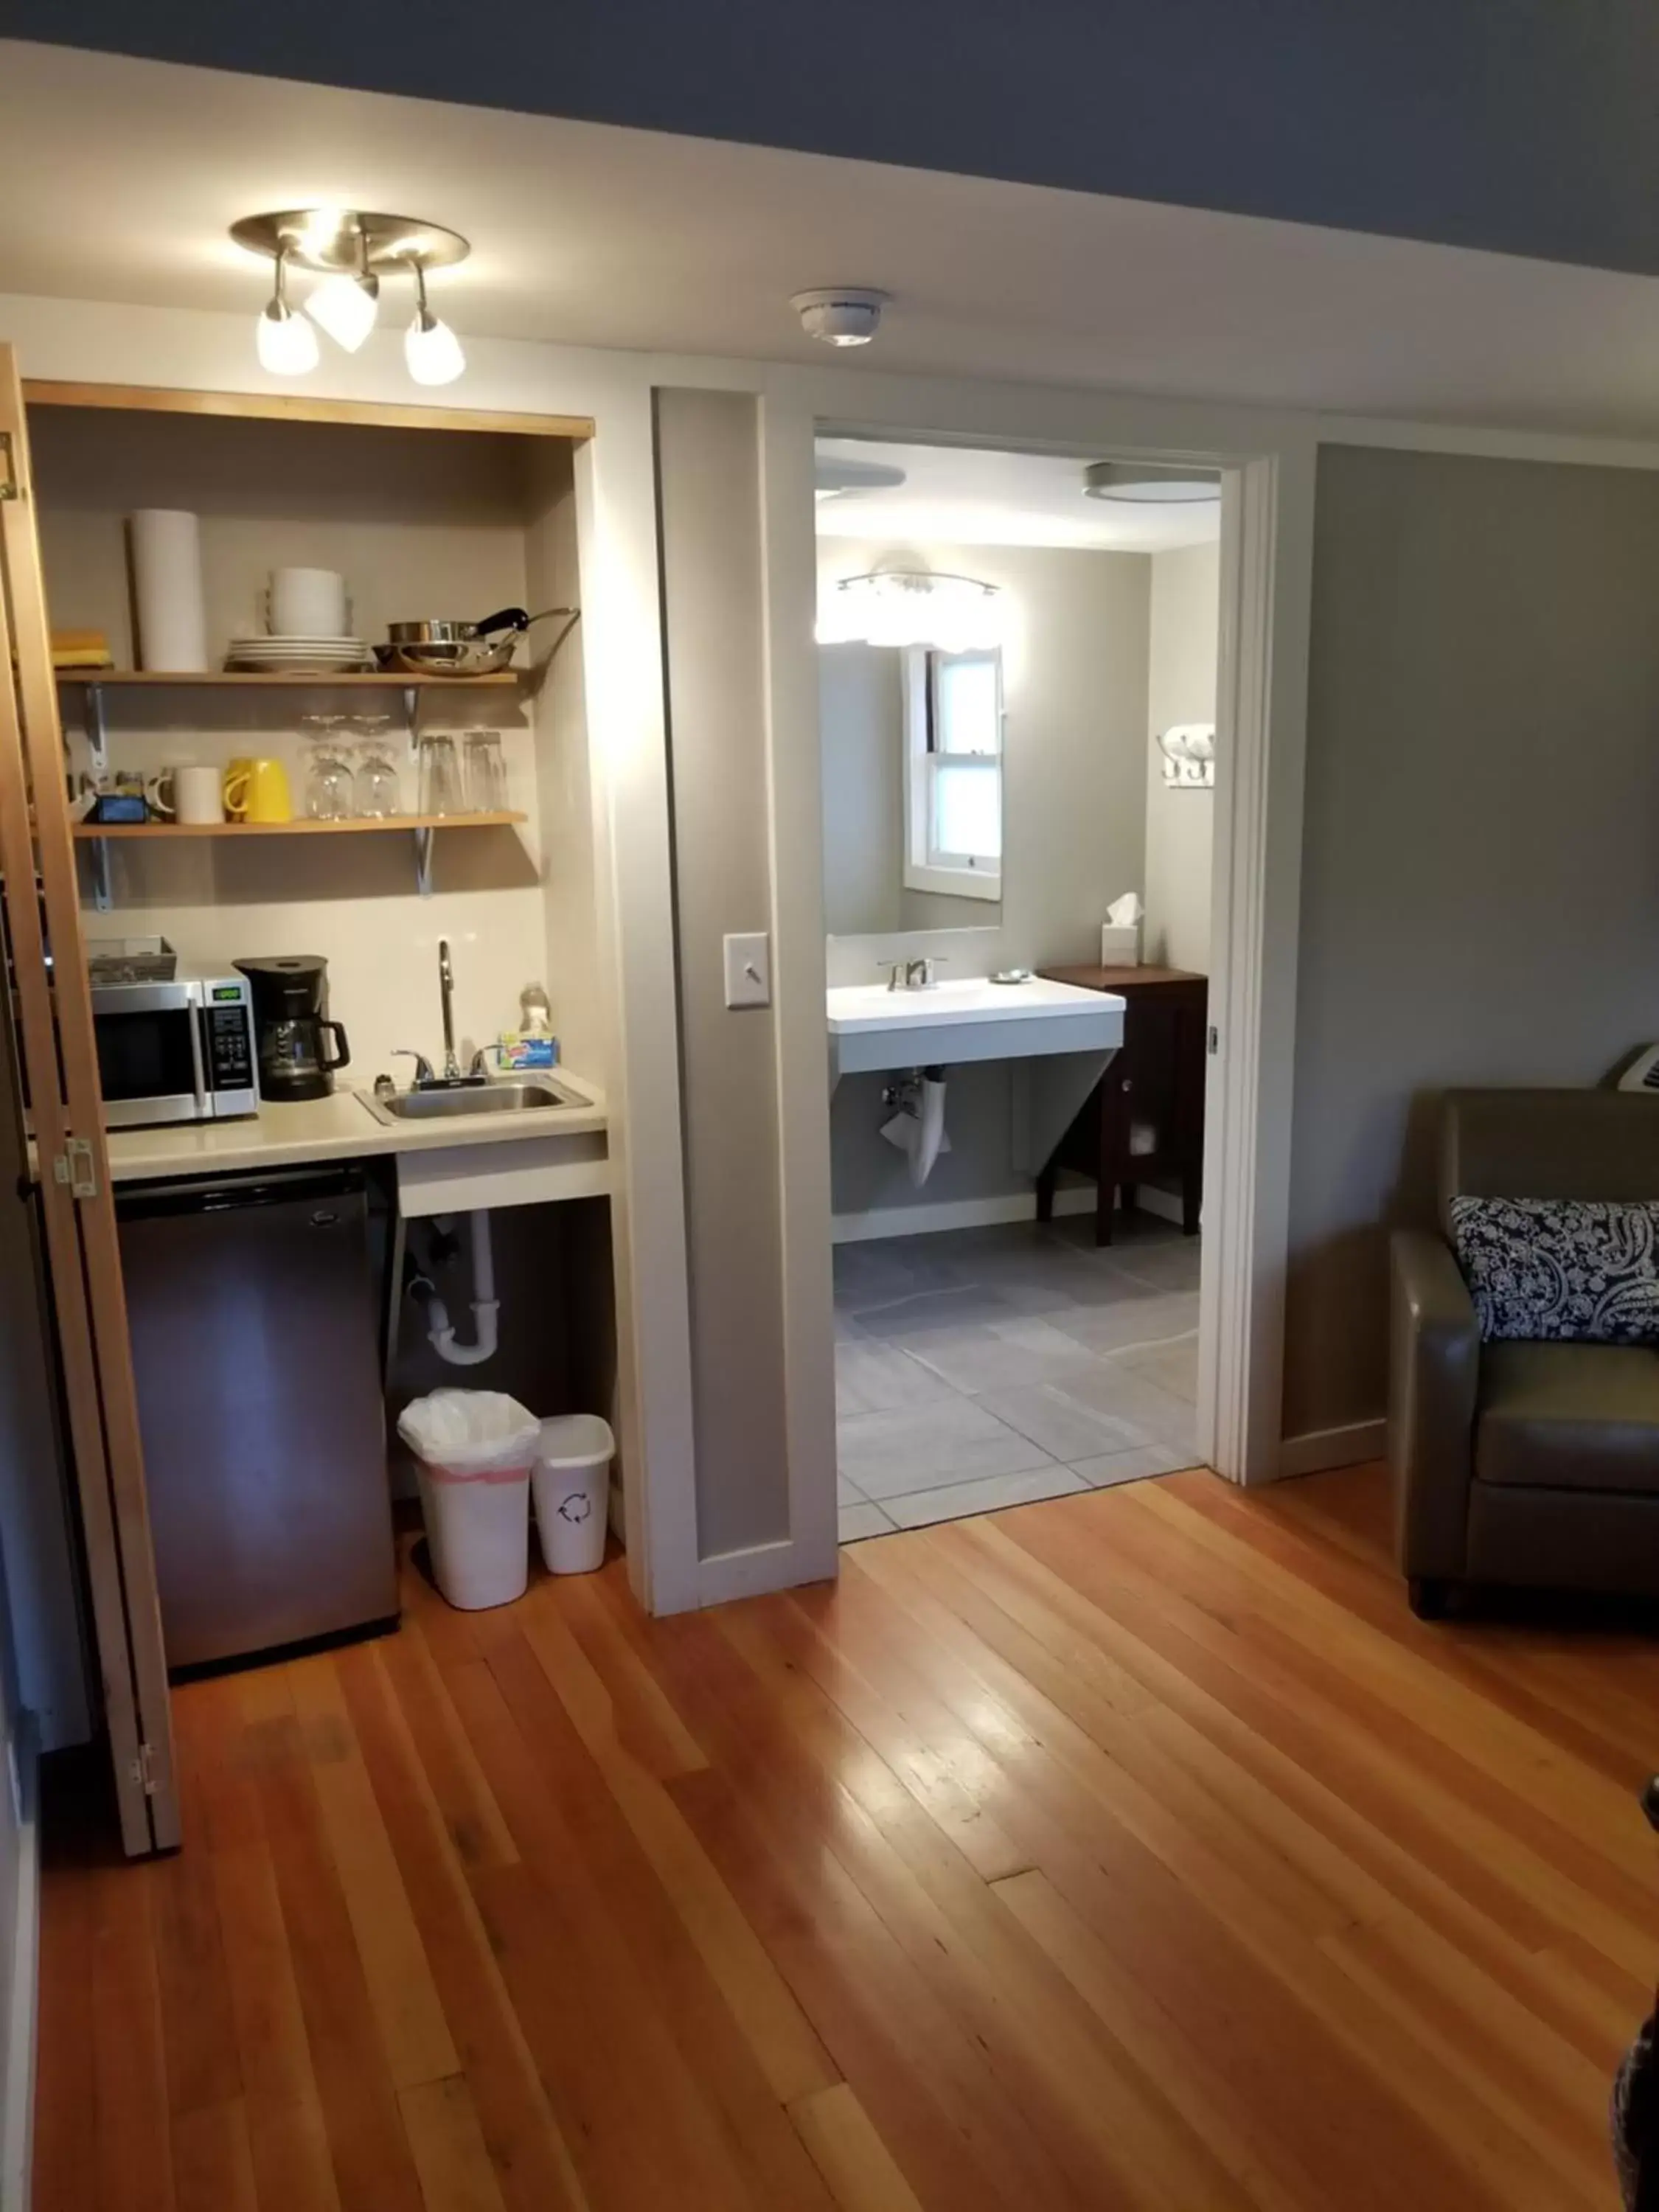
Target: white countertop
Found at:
339, 1128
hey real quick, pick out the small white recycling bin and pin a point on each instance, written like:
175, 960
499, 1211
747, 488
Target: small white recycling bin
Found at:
572, 1483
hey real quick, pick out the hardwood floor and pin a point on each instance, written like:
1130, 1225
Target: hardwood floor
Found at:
1135, 1850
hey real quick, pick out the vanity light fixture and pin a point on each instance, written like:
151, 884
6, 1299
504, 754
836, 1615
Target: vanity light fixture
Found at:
352, 251
912, 606
1188, 751
1136, 483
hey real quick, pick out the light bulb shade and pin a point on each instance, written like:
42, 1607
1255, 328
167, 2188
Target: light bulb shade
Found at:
431, 351
346, 307
287, 343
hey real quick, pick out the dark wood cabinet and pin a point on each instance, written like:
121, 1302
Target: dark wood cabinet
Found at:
1144, 1121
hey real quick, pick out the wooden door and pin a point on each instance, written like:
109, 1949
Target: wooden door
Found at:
54, 1012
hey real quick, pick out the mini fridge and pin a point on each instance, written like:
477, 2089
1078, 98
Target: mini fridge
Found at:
253, 1306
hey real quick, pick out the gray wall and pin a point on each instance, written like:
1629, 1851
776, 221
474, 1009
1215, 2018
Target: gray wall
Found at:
1527, 128
709, 490
1481, 893
861, 728
1075, 681
1180, 824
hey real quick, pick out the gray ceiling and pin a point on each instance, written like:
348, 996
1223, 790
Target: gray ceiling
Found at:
1526, 127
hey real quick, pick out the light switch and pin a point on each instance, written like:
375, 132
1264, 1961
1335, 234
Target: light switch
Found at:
749, 970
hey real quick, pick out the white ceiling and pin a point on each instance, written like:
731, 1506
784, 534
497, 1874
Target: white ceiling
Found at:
118, 177
959, 496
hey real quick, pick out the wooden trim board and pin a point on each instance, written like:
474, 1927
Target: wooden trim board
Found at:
297, 407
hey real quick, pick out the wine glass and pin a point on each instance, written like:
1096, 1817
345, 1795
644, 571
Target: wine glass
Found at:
328, 773
376, 786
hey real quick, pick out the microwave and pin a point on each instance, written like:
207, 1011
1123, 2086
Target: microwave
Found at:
175, 1052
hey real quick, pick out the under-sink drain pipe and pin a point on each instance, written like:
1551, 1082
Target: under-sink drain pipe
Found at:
485, 1304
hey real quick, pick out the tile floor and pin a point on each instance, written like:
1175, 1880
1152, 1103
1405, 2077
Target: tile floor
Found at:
980, 1368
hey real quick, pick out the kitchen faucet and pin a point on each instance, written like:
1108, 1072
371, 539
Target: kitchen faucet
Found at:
426, 1078
446, 991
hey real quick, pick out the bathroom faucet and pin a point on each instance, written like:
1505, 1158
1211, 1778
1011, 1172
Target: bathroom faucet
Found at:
916, 974
447, 990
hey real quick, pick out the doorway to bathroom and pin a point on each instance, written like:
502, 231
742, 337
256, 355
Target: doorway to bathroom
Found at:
1017, 664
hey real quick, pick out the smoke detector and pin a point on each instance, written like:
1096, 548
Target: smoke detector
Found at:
840, 314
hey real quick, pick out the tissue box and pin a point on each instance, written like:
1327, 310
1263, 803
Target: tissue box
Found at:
1119, 945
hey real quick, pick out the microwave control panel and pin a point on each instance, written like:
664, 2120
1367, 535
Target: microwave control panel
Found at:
229, 1048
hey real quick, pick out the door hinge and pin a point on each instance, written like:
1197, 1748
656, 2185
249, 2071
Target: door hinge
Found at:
8, 471
143, 1770
1212, 1043
73, 1166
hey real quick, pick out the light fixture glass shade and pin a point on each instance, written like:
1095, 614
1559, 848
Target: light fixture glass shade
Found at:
287, 343
431, 351
346, 307
904, 607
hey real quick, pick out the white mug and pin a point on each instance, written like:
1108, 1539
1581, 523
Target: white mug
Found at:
308, 603
195, 794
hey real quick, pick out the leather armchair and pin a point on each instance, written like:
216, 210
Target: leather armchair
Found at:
1522, 1463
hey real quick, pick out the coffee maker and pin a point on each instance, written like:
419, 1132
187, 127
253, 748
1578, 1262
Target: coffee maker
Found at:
298, 1047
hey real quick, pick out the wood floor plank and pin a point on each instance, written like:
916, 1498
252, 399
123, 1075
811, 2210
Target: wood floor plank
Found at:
410, 2017
531, 2160
849, 2153
450, 2152
1136, 1851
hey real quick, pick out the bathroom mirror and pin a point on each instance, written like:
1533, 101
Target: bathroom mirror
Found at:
914, 787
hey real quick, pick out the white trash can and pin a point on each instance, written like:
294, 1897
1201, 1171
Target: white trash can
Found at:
474, 1449
572, 1482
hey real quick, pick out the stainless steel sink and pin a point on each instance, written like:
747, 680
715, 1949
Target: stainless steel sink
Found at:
532, 1094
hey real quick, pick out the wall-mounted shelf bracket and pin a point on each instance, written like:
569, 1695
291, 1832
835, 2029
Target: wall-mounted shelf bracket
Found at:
423, 863
92, 719
98, 864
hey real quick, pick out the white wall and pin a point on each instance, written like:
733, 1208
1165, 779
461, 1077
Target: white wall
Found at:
1075, 660
1480, 888
1180, 824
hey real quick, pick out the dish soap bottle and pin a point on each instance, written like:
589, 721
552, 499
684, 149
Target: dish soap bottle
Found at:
533, 1044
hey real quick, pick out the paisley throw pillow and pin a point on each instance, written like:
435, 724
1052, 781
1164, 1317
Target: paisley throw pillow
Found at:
1562, 1270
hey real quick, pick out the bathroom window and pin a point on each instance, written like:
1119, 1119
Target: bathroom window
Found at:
953, 773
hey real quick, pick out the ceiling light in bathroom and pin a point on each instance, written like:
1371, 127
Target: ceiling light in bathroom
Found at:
833, 479
840, 314
912, 607
1138, 483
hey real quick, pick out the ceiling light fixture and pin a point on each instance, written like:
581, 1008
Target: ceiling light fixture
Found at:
912, 606
833, 478
431, 348
351, 251
840, 314
1134, 483
286, 343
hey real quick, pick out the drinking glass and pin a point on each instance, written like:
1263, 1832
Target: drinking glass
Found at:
486, 772
376, 787
328, 768
440, 775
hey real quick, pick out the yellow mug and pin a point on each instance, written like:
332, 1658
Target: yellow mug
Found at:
257, 791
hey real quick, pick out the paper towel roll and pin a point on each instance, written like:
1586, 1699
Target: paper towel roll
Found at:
167, 579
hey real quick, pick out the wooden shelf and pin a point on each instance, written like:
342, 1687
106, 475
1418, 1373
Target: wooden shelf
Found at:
385, 679
298, 829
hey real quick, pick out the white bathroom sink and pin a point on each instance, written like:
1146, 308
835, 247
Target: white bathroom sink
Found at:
968, 1019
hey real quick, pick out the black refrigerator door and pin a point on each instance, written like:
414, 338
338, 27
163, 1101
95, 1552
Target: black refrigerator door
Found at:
255, 1341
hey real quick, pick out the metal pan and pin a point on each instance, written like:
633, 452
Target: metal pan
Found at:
459, 648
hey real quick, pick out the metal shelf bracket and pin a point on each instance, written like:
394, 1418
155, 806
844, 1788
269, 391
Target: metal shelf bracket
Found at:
423, 862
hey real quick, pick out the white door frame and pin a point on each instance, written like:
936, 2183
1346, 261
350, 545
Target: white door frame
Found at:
1266, 582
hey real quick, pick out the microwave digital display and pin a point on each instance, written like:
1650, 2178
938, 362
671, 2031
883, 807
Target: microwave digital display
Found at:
233, 993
